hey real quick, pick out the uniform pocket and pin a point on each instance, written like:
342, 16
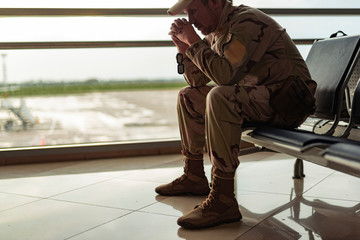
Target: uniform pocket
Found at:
292, 103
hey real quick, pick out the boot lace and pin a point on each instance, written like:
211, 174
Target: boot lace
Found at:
182, 177
211, 197
179, 179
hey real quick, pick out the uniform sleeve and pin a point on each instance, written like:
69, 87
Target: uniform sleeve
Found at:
193, 76
214, 67
255, 35
247, 41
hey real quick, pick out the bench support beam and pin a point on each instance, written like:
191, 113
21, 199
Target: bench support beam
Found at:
298, 169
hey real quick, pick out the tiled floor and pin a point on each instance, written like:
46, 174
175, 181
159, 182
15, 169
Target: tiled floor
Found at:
115, 199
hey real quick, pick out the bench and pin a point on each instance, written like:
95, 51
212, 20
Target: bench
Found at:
334, 64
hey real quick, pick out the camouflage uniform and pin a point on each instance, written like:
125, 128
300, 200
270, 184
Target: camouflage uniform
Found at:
249, 57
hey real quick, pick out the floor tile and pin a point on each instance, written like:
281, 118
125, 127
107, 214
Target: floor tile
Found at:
159, 175
30, 170
275, 176
174, 206
169, 171
222, 232
53, 220
119, 165
8, 201
117, 193
311, 219
165, 172
337, 186
115, 199
46, 186
135, 226
158, 227
255, 207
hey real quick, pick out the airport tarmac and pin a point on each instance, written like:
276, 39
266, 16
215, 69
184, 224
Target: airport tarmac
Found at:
97, 117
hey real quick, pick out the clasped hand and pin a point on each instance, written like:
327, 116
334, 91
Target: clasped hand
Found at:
183, 34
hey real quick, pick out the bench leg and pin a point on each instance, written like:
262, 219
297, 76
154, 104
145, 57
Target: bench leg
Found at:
299, 169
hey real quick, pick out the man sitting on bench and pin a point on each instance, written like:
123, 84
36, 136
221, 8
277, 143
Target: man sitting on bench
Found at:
260, 76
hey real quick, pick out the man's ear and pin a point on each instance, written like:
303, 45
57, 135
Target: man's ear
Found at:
215, 4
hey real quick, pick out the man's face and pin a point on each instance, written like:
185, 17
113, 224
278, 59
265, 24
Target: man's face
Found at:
203, 17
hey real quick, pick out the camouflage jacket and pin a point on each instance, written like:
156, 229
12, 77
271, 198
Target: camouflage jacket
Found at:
248, 47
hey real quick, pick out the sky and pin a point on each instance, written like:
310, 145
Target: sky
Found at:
128, 63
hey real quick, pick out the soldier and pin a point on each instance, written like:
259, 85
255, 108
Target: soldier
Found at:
259, 76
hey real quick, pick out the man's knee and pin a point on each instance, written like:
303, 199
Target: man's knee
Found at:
192, 100
193, 95
193, 92
182, 95
216, 97
184, 90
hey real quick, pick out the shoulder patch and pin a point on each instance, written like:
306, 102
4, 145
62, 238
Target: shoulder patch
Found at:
235, 52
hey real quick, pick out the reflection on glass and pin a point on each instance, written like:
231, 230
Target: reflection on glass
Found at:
54, 97
86, 4
69, 96
299, 4
89, 117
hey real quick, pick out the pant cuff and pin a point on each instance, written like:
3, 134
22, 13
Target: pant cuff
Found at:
191, 156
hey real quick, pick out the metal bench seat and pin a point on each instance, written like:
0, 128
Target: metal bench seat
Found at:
331, 63
296, 140
345, 156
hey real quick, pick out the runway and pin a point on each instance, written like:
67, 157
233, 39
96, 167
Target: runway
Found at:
97, 117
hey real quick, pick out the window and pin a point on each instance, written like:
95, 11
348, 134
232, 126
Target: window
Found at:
76, 95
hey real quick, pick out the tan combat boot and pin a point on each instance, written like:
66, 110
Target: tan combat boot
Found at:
192, 182
219, 207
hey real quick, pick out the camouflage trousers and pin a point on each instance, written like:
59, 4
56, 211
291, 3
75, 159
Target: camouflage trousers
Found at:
214, 116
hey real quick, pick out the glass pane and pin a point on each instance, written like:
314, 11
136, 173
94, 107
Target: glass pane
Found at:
321, 27
84, 28
299, 4
148, 28
86, 3
88, 95
83, 64
167, 3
